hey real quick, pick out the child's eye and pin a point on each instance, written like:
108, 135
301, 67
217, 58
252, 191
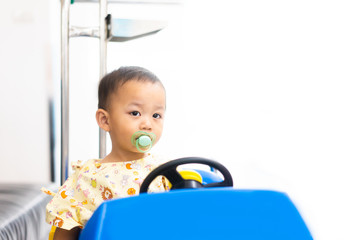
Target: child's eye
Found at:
135, 113
156, 115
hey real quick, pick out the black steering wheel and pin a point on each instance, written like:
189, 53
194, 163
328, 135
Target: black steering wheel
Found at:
169, 171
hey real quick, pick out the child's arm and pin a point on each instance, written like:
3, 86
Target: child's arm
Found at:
62, 234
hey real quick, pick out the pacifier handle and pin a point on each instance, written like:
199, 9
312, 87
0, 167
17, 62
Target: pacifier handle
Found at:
143, 141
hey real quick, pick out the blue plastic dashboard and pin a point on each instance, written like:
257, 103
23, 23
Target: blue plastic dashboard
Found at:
214, 213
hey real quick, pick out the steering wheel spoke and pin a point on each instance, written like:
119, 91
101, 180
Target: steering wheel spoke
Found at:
173, 176
169, 171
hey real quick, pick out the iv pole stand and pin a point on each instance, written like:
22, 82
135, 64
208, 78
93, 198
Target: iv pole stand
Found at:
65, 12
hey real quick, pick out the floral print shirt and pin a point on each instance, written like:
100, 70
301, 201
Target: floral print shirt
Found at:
94, 182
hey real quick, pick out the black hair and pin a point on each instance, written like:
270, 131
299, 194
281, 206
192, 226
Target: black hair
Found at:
112, 81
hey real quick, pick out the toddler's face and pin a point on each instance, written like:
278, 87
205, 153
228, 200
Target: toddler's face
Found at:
136, 106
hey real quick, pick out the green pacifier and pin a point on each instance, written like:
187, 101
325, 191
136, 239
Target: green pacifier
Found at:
143, 141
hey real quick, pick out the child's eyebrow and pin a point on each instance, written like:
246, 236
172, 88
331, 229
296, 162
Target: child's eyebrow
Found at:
160, 107
138, 104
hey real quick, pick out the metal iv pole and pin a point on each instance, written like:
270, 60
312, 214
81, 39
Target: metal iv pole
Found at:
103, 66
117, 30
64, 155
100, 32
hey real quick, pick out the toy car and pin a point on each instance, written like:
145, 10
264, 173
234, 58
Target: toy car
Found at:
197, 210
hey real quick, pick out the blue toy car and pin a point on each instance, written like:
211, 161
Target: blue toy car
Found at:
197, 210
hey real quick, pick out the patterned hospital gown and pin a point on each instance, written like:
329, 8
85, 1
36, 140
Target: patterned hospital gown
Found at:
93, 182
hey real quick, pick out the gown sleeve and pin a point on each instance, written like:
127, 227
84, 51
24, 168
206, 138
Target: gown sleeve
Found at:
67, 208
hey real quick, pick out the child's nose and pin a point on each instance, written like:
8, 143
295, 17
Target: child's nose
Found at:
145, 124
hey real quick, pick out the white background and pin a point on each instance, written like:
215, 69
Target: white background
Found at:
26, 70
268, 88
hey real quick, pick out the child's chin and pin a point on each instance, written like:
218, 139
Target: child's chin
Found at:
138, 152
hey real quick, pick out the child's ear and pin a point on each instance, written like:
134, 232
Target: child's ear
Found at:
102, 118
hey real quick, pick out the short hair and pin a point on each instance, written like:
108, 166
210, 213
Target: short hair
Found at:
112, 81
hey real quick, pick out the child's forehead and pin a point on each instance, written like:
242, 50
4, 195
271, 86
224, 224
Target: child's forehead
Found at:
135, 83
139, 87
136, 91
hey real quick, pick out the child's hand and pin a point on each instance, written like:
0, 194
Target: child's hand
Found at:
62, 234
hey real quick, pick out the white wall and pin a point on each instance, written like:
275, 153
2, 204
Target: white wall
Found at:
26, 73
268, 88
